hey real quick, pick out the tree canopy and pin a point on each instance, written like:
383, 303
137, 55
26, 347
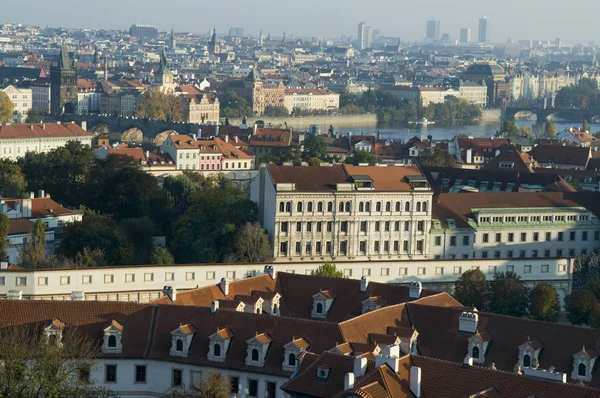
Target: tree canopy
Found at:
271, 110
328, 269
508, 295
583, 95
436, 157
162, 105
34, 116
6, 108
544, 304
508, 129
12, 180
314, 147
359, 157
550, 130
579, 306
472, 289
233, 105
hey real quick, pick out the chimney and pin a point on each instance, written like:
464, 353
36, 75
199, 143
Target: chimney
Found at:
14, 295
415, 381
467, 321
217, 130
43, 126
360, 366
77, 295
31, 127
171, 292
269, 270
254, 128
363, 284
84, 125
31, 195
469, 159
236, 139
497, 152
147, 154
348, 381
214, 307
224, 287
414, 290
194, 137
468, 361
41, 193
3, 264
227, 138
394, 363
349, 139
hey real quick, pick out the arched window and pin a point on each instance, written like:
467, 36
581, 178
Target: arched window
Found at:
319, 308
258, 310
398, 204
330, 207
112, 341
341, 206
217, 350
378, 206
418, 206
475, 353
581, 370
424, 208
407, 206
254, 354
292, 359
281, 207
413, 347
52, 339
309, 206
299, 207
288, 207
275, 308
320, 206
526, 360
179, 345
361, 207
388, 206
348, 207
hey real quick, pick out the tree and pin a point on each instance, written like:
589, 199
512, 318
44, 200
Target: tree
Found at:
508, 129
271, 110
139, 232
34, 116
544, 304
508, 295
585, 126
4, 229
6, 108
314, 147
33, 367
472, 289
362, 157
233, 105
550, 130
594, 320
96, 232
162, 105
252, 244
594, 286
579, 306
33, 254
585, 268
160, 255
328, 269
90, 258
213, 385
12, 180
436, 157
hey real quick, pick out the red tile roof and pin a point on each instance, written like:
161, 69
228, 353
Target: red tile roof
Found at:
42, 130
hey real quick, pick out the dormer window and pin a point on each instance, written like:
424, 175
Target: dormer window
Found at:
529, 353
322, 301
475, 353
319, 309
257, 349
292, 351
219, 344
583, 364
181, 340
323, 373
53, 332
478, 344
112, 338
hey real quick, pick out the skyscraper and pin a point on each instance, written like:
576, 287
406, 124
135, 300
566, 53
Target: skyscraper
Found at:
483, 30
465, 35
364, 36
433, 30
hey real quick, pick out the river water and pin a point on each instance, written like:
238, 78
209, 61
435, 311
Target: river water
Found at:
447, 132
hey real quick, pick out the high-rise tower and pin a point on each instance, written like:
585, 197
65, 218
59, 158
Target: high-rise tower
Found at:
482, 36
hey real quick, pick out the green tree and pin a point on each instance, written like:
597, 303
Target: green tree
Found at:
12, 180
594, 286
314, 147
90, 258
139, 232
594, 319
233, 105
4, 229
550, 130
34, 116
160, 255
436, 157
585, 126
252, 244
162, 105
213, 385
51, 373
96, 232
362, 157
472, 289
508, 129
271, 110
583, 95
544, 304
6, 108
328, 269
585, 269
579, 306
508, 295
33, 254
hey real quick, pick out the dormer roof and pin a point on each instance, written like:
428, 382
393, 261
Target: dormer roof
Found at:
249, 300
588, 353
224, 334
55, 324
262, 338
114, 325
186, 329
383, 339
533, 344
299, 343
483, 336
327, 294
377, 300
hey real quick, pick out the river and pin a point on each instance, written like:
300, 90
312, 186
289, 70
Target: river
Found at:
447, 132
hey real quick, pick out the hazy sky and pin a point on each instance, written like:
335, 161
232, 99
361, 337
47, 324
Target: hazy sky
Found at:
574, 21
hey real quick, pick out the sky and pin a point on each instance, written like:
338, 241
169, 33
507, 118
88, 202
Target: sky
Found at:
573, 21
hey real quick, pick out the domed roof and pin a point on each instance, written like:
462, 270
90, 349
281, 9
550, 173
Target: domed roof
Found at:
488, 69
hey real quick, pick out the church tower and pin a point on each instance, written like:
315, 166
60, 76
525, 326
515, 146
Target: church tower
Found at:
164, 77
253, 92
213, 49
172, 42
260, 38
63, 84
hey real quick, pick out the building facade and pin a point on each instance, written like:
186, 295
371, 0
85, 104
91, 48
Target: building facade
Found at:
21, 99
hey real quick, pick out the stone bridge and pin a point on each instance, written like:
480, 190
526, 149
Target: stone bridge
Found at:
575, 115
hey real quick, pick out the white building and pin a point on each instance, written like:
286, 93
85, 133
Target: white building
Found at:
311, 99
40, 93
18, 139
22, 101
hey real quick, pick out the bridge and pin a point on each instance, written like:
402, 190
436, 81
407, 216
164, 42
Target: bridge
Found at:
575, 115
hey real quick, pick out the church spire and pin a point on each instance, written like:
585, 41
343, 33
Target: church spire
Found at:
172, 43
283, 38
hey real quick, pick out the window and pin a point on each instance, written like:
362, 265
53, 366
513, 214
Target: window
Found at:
42, 281
560, 237
255, 355
420, 226
270, 389
385, 272
548, 236
112, 341
511, 237
377, 225
2, 280
572, 235
526, 360
84, 375
486, 238
457, 270
347, 272
329, 226
177, 378
252, 388
396, 246
361, 207
439, 270
421, 271
581, 370
298, 227
318, 247
498, 237
235, 385
149, 277
110, 373
363, 246
129, 278
86, 279
420, 246
484, 254
320, 206
190, 276
217, 350
596, 235
281, 207
534, 253
497, 254
366, 271
562, 268
231, 275
527, 269
210, 275
466, 241
378, 206
438, 240
407, 206
510, 268
475, 353
288, 207
492, 269
140, 373
284, 227
403, 271
319, 226
65, 280
559, 252
453, 241
584, 235
344, 226
299, 207
523, 236
330, 207
309, 206
368, 206
298, 247
397, 226
309, 226
545, 268
341, 206
406, 225
571, 252
522, 253
363, 226
387, 226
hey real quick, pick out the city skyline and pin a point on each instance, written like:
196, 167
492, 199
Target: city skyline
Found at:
394, 22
